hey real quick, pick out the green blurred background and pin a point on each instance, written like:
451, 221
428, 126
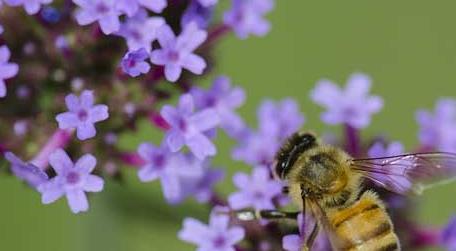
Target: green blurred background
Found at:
408, 47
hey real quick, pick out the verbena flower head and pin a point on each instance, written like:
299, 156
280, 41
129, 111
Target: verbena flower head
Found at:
33, 6
352, 106
27, 172
82, 114
438, 130
246, 17
224, 99
72, 180
280, 119
103, 11
140, 30
448, 237
177, 52
197, 13
7, 69
378, 150
188, 127
218, 235
134, 64
256, 191
170, 168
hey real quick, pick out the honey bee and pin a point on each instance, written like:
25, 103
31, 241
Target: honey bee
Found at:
326, 182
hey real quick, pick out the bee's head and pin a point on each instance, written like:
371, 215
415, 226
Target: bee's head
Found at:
295, 145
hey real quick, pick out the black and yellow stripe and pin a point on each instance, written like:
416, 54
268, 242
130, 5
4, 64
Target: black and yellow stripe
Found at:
363, 226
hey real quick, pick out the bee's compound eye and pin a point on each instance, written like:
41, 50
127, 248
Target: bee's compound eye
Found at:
307, 139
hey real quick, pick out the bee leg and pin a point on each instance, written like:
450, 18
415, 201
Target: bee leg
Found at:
310, 241
247, 215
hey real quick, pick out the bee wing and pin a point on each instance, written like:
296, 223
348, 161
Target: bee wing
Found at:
408, 173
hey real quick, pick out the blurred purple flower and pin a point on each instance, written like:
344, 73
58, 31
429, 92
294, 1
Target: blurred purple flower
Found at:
82, 114
352, 106
256, 149
7, 70
218, 235
246, 17
103, 11
133, 63
256, 191
399, 182
140, 30
197, 13
72, 180
131, 7
207, 3
188, 127
31, 6
438, 130
177, 52
279, 119
27, 172
169, 168
202, 187
448, 237
224, 99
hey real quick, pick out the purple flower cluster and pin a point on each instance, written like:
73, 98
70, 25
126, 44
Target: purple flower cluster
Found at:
162, 39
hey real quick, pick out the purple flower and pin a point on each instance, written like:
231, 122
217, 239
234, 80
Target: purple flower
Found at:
352, 106
7, 70
187, 127
207, 3
399, 182
280, 119
131, 7
169, 168
256, 149
295, 242
202, 187
27, 172
224, 99
82, 114
72, 180
103, 11
133, 63
256, 191
218, 235
246, 17
197, 13
448, 237
438, 130
177, 52
140, 30
31, 6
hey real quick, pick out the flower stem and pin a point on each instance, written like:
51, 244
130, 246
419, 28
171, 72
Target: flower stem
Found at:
59, 139
352, 141
216, 33
425, 237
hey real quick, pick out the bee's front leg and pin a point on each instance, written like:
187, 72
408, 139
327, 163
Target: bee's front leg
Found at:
247, 215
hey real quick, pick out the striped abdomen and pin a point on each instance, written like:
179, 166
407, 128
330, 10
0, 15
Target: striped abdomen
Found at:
364, 226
